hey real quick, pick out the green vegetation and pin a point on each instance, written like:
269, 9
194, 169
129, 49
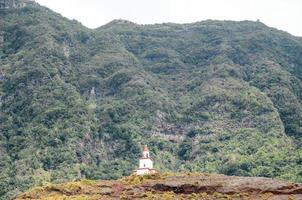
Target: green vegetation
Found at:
213, 96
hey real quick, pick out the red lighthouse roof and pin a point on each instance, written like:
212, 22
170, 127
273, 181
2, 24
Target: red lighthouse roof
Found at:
146, 148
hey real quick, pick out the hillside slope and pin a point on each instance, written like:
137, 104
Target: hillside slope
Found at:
171, 186
212, 96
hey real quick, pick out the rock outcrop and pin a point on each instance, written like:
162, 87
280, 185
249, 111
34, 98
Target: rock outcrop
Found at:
174, 186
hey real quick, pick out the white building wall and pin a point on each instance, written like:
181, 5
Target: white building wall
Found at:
146, 163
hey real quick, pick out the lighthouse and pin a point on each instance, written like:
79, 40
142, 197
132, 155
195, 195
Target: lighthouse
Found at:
145, 163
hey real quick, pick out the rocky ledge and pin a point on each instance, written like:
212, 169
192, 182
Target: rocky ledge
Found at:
172, 186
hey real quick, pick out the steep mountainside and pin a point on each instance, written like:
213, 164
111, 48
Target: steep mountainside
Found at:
212, 96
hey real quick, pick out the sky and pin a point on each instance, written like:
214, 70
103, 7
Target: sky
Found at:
282, 14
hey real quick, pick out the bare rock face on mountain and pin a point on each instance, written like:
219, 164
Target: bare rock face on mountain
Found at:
181, 186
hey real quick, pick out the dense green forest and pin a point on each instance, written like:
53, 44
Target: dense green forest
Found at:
211, 96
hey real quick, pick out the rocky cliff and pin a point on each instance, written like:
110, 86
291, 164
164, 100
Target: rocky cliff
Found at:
173, 186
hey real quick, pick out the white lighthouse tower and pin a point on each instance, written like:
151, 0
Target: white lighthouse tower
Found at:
145, 164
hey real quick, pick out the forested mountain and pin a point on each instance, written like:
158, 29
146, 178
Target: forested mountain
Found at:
211, 96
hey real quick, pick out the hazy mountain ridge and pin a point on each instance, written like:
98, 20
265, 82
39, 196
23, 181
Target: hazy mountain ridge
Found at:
216, 96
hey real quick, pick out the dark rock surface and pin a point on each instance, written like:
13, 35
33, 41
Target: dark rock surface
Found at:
180, 186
